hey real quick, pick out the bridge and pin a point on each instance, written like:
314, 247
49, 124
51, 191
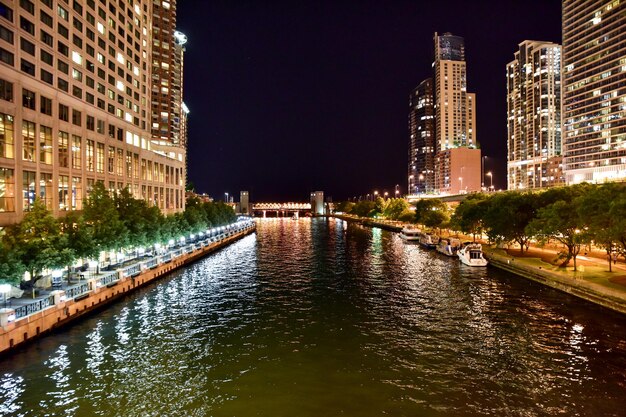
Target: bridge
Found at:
281, 209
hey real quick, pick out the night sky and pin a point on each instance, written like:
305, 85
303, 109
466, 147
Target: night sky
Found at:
292, 97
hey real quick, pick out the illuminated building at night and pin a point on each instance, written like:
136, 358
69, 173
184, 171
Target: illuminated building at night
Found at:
448, 114
594, 97
421, 173
534, 157
77, 94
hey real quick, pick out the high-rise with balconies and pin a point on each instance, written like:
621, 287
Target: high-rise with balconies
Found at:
75, 106
594, 93
534, 157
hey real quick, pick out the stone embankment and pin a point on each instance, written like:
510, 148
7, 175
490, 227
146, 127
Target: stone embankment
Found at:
63, 307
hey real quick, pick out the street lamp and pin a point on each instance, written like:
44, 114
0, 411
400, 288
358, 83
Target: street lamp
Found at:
226, 197
461, 189
421, 178
375, 194
490, 180
397, 192
386, 194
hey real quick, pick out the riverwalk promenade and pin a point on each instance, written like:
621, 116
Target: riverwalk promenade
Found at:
592, 281
26, 319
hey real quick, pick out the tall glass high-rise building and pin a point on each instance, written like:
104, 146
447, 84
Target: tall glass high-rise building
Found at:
76, 84
421, 173
534, 116
594, 90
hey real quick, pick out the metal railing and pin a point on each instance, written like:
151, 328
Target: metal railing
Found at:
152, 262
108, 279
76, 290
132, 270
34, 307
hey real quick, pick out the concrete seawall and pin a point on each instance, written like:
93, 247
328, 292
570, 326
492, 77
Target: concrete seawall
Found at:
63, 312
589, 291
597, 294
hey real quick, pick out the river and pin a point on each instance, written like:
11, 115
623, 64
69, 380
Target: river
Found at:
321, 318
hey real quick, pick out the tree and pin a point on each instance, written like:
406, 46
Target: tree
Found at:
344, 207
130, 214
395, 207
77, 238
108, 230
595, 209
507, 216
560, 221
469, 214
11, 268
363, 208
38, 243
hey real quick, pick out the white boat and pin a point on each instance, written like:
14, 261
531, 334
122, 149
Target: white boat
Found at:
429, 241
410, 234
448, 246
472, 255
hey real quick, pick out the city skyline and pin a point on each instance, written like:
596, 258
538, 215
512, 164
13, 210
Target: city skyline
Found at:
291, 98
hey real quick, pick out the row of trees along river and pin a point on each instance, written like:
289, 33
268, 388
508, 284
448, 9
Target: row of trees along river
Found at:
573, 216
109, 222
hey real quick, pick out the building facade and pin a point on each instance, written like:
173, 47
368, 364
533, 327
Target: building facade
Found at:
594, 93
456, 170
534, 157
75, 106
421, 172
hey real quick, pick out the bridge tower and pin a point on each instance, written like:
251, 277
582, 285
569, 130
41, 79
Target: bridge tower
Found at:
244, 203
317, 203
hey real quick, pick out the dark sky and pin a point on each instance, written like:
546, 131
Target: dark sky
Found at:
297, 96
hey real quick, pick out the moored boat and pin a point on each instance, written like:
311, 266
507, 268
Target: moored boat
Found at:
448, 246
428, 240
410, 233
472, 255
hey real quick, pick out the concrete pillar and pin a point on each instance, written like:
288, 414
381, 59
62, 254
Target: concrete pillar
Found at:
59, 298
7, 318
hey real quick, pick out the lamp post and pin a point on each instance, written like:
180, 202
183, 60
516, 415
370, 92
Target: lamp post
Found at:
386, 194
397, 192
226, 197
421, 178
375, 195
490, 180
461, 189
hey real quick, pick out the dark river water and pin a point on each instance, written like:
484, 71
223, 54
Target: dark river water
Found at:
321, 318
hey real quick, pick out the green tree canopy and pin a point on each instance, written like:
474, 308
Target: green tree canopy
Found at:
100, 213
469, 214
507, 216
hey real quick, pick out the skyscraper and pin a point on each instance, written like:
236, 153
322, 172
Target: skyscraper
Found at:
594, 97
455, 119
455, 107
421, 173
75, 106
534, 116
